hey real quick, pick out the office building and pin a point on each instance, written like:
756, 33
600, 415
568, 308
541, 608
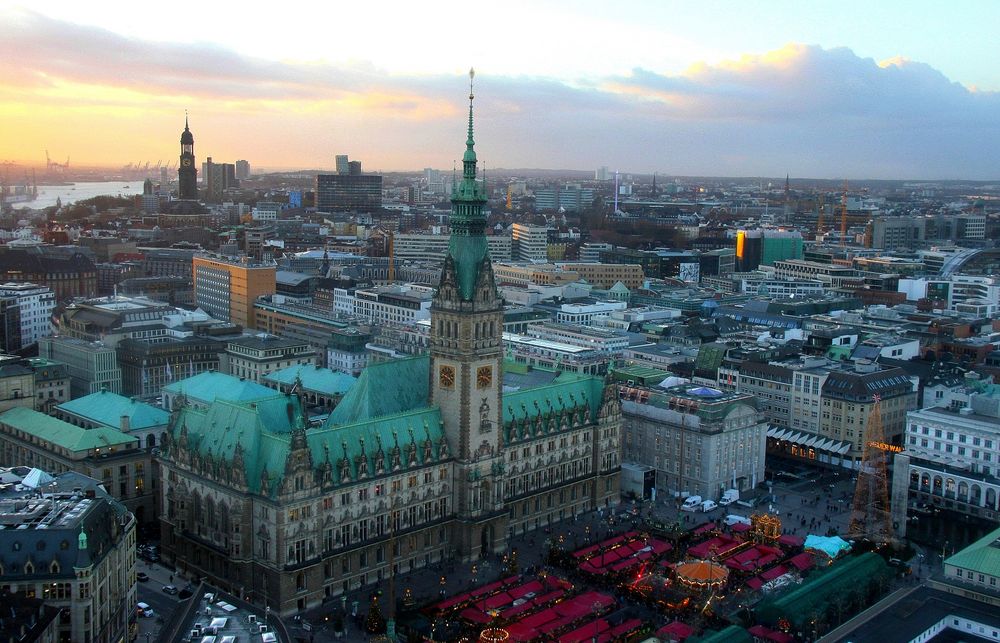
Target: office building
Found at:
67, 271
393, 304
529, 242
72, 546
755, 248
252, 358
348, 190
434, 247
342, 164
443, 460
92, 366
700, 440
227, 288
34, 311
949, 464
218, 177
242, 169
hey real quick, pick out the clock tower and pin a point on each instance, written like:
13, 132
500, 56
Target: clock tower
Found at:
187, 173
466, 353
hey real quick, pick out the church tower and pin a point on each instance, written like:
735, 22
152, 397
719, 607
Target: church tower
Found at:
187, 173
466, 353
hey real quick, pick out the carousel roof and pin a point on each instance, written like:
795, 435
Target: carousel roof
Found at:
702, 572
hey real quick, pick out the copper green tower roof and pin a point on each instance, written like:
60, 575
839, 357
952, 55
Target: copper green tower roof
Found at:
467, 247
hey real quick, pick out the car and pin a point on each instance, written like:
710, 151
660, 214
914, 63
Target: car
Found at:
143, 609
170, 589
185, 594
142, 577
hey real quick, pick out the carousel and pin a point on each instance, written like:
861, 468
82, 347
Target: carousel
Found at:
701, 575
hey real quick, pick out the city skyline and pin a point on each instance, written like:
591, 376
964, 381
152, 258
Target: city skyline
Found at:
670, 89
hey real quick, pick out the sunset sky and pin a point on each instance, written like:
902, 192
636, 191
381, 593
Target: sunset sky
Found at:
888, 89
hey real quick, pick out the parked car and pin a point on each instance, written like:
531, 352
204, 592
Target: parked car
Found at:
142, 577
143, 609
170, 589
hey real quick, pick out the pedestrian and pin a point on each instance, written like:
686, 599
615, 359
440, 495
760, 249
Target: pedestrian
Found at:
171, 578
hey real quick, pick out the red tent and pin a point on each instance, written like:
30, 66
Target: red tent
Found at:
755, 583
675, 631
773, 573
622, 630
791, 541
541, 618
475, 616
498, 600
448, 603
585, 632
527, 588
580, 553
659, 547
802, 562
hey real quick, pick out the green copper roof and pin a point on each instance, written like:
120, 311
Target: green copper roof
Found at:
982, 556
313, 378
385, 388
541, 407
107, 408
64, 434
211, 385
467, 248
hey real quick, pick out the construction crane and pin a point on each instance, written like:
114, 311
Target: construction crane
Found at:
843, 216
819, 217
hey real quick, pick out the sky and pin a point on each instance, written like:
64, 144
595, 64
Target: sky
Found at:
892, 89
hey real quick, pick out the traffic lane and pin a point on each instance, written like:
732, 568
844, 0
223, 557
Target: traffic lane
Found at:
162, 604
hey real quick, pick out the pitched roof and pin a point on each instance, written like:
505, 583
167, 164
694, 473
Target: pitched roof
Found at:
385, 388
314, 378
982, 556
107, 408
211, 385
64, 434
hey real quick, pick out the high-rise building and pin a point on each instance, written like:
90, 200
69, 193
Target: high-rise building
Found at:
348, 190
755, 248
187, 173
242, 170
226, 288
530, 242
218, 178
342, 164
460, 457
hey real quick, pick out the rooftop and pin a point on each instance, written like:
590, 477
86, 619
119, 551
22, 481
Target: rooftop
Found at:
313, 378
64, 434
108, 408
211, 385
982, 556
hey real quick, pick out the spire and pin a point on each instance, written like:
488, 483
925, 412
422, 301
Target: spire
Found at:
185, 119
469, 159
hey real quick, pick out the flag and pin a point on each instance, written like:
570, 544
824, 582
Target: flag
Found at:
191, 367
170, 372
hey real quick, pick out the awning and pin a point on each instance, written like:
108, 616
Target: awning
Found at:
808, 440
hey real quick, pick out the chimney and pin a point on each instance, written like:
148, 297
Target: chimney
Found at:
125, 427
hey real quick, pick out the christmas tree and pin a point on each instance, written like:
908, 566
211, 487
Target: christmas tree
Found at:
375, 622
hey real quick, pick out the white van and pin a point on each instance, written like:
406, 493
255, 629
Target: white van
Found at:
708, 505
736, 519
692, 503
729, 496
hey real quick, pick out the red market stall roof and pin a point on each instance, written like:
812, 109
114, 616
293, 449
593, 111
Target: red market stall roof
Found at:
774, 572
475, 615
659, 547
527, 588
581, 553
675, 631
761, 632
802, 561
622, 630
586, 632
453, 601
755, 583
709, 526
590, 598
717, 546
740, 527
497, 600
791, 541
541, 618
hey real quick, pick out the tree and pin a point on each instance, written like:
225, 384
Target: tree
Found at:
375, 622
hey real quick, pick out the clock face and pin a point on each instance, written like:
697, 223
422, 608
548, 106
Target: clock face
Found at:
186, 162
484, 376
446, 375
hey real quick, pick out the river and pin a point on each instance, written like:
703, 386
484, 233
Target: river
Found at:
71, 192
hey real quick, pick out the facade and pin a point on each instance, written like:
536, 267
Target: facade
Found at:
348, 191
756, 248
68, 272
35, 304
393, 304
92, 366
252, 358
218, 177
149, 364
73, 547
530, 242
52, 383
586, 314
434, 247
17, 385
456, 459
227, 288
701, 441
950, 463
602, 275
168, 262
831, 275
571, 198
187, 171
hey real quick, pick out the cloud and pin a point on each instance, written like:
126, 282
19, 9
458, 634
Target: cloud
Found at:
800, 109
